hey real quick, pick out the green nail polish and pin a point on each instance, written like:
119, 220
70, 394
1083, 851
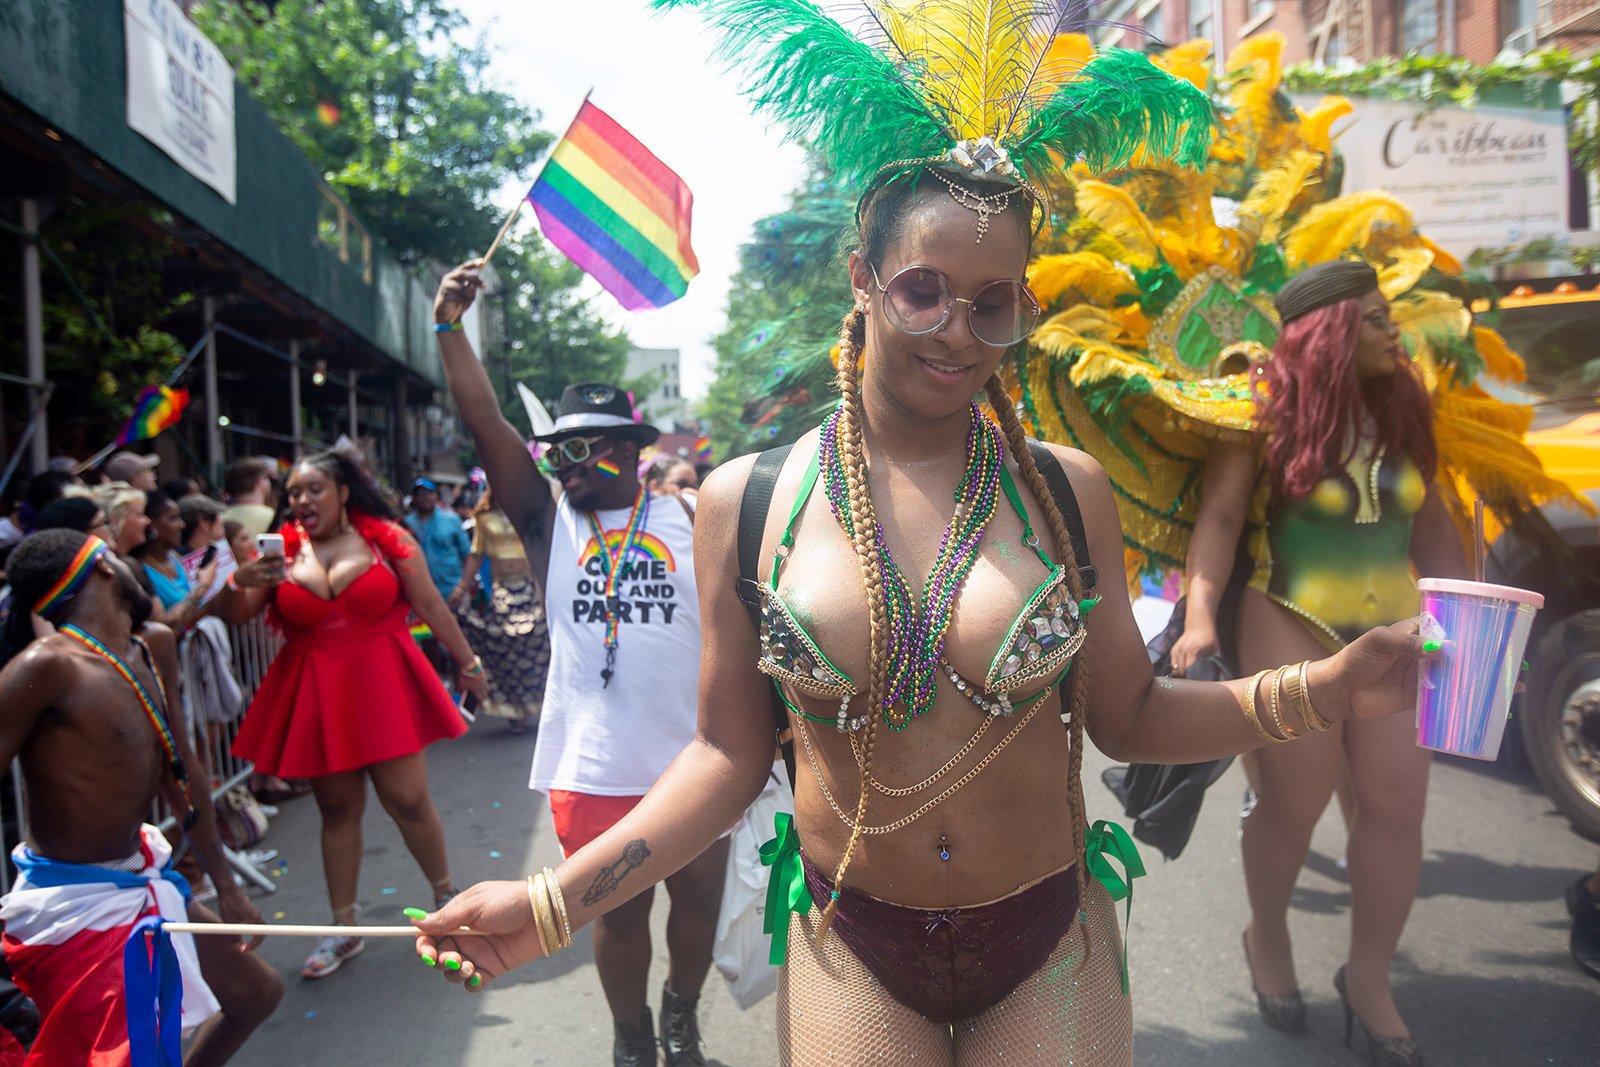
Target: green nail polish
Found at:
475, 981
452, 965
414, 913
428, 960
1432, 646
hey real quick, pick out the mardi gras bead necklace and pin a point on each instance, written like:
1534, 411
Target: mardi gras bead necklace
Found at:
916, 637
158, 722
611, 561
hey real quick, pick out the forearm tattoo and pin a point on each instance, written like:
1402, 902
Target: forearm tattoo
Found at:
634, 853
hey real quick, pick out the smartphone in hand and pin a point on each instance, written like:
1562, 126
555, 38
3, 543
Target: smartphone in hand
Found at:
269, 544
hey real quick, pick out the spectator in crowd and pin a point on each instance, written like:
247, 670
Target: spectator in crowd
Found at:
125, 509
505, 619
138, 471
439, 532
211, 694
671, 476
349, 697
252, 494
181, 598
42, 488
88, 714
465, 506
81, 513
445, 546
10, 523
178, 488
241, 542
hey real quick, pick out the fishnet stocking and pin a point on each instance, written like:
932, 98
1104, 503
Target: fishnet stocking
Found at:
831, 1010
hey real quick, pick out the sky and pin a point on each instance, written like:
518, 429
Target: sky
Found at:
652, 72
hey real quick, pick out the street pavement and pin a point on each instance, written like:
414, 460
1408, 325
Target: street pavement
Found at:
1483, 974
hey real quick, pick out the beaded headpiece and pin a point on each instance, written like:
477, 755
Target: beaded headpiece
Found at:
996, 91
61, 592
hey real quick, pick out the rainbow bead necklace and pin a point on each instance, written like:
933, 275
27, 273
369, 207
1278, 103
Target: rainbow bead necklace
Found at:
611, 563
916, 637
158, 721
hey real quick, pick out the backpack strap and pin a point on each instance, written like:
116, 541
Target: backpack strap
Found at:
753, 508
1067, 503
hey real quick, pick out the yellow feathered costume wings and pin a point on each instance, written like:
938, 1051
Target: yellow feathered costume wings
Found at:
1158, 302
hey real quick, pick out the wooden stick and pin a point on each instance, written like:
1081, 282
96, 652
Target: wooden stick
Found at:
509, 220
487, 256
1478, 548
272, 929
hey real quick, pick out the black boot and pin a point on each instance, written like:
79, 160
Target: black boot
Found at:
680, 1030
634, 1046
1585, 911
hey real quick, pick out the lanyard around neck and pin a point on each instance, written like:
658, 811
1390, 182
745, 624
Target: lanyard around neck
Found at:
611, 563
158, 722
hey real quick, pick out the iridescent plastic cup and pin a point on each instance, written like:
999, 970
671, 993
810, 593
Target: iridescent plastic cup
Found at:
1464, 696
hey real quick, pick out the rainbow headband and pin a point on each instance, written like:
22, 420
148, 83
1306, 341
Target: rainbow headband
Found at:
59, 595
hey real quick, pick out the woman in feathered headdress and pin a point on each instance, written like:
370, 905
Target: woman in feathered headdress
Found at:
938, 895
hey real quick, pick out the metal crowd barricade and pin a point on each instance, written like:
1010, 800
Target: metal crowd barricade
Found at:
254, 646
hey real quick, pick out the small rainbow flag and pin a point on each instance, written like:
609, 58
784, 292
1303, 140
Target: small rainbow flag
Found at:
158, 407
617, 211
702, 449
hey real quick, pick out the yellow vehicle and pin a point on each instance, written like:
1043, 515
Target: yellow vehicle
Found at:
1558, 334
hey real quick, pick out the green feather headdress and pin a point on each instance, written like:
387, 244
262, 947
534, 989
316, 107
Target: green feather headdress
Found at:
983, 85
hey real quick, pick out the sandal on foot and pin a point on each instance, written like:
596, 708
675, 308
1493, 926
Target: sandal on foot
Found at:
330, 954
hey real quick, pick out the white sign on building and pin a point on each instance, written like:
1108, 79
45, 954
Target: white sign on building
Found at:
1485, 178
180, 92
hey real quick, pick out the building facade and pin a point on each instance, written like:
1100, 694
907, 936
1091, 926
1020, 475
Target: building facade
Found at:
664, 406
1357, 31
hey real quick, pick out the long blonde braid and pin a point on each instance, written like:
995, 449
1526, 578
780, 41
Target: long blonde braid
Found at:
852, 455
1078, 701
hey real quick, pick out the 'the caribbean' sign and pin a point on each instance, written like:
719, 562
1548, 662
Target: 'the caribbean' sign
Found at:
180, 92
1484, 178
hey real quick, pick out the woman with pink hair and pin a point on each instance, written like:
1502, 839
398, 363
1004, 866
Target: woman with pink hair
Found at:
1340, 505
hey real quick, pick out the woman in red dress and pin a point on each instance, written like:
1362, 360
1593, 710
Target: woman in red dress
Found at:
350, 696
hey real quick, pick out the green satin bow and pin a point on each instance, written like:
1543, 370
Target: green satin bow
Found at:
787, 894
1106, 841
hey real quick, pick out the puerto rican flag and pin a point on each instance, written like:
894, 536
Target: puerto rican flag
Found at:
65, 928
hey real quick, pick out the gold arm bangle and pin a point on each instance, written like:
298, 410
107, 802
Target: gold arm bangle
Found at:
1276, 682
1247, 705
1308, 709
533, 905
549, 932
560, 901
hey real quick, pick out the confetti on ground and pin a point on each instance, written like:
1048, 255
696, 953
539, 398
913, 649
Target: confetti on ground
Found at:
311, 1015
277, 915
494, 854
390, 891
495, 805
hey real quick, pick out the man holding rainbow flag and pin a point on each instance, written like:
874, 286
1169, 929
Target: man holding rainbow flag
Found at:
615, 567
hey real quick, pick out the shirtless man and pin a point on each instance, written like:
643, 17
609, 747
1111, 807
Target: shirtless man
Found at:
94, 759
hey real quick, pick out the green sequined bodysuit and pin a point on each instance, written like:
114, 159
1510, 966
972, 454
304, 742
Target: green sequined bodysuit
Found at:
1341, 556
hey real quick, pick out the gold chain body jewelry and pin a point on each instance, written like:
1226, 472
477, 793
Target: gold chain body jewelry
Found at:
816, 770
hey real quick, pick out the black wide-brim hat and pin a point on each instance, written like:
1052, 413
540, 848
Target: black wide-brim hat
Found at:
589, 408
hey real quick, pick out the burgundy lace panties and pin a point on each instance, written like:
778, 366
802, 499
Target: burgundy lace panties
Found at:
952, 963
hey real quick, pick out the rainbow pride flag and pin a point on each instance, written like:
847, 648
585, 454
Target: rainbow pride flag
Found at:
702, 449
157, 408
617, 211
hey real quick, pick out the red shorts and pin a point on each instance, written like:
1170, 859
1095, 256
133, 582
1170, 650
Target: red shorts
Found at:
581, 817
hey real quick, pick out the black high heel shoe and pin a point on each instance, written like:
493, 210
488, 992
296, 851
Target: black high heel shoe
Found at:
1382, 1051
1283, 1011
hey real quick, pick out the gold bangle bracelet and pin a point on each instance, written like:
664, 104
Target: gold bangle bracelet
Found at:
550, 909
1247, 705
560, 901
1276, 682
1308, 707
533, 905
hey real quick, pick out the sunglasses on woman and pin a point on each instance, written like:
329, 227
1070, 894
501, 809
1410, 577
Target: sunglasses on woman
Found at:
918, 301
573, 451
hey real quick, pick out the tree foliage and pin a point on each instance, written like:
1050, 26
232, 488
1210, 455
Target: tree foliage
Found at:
774, 377
389, 106
400, 118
